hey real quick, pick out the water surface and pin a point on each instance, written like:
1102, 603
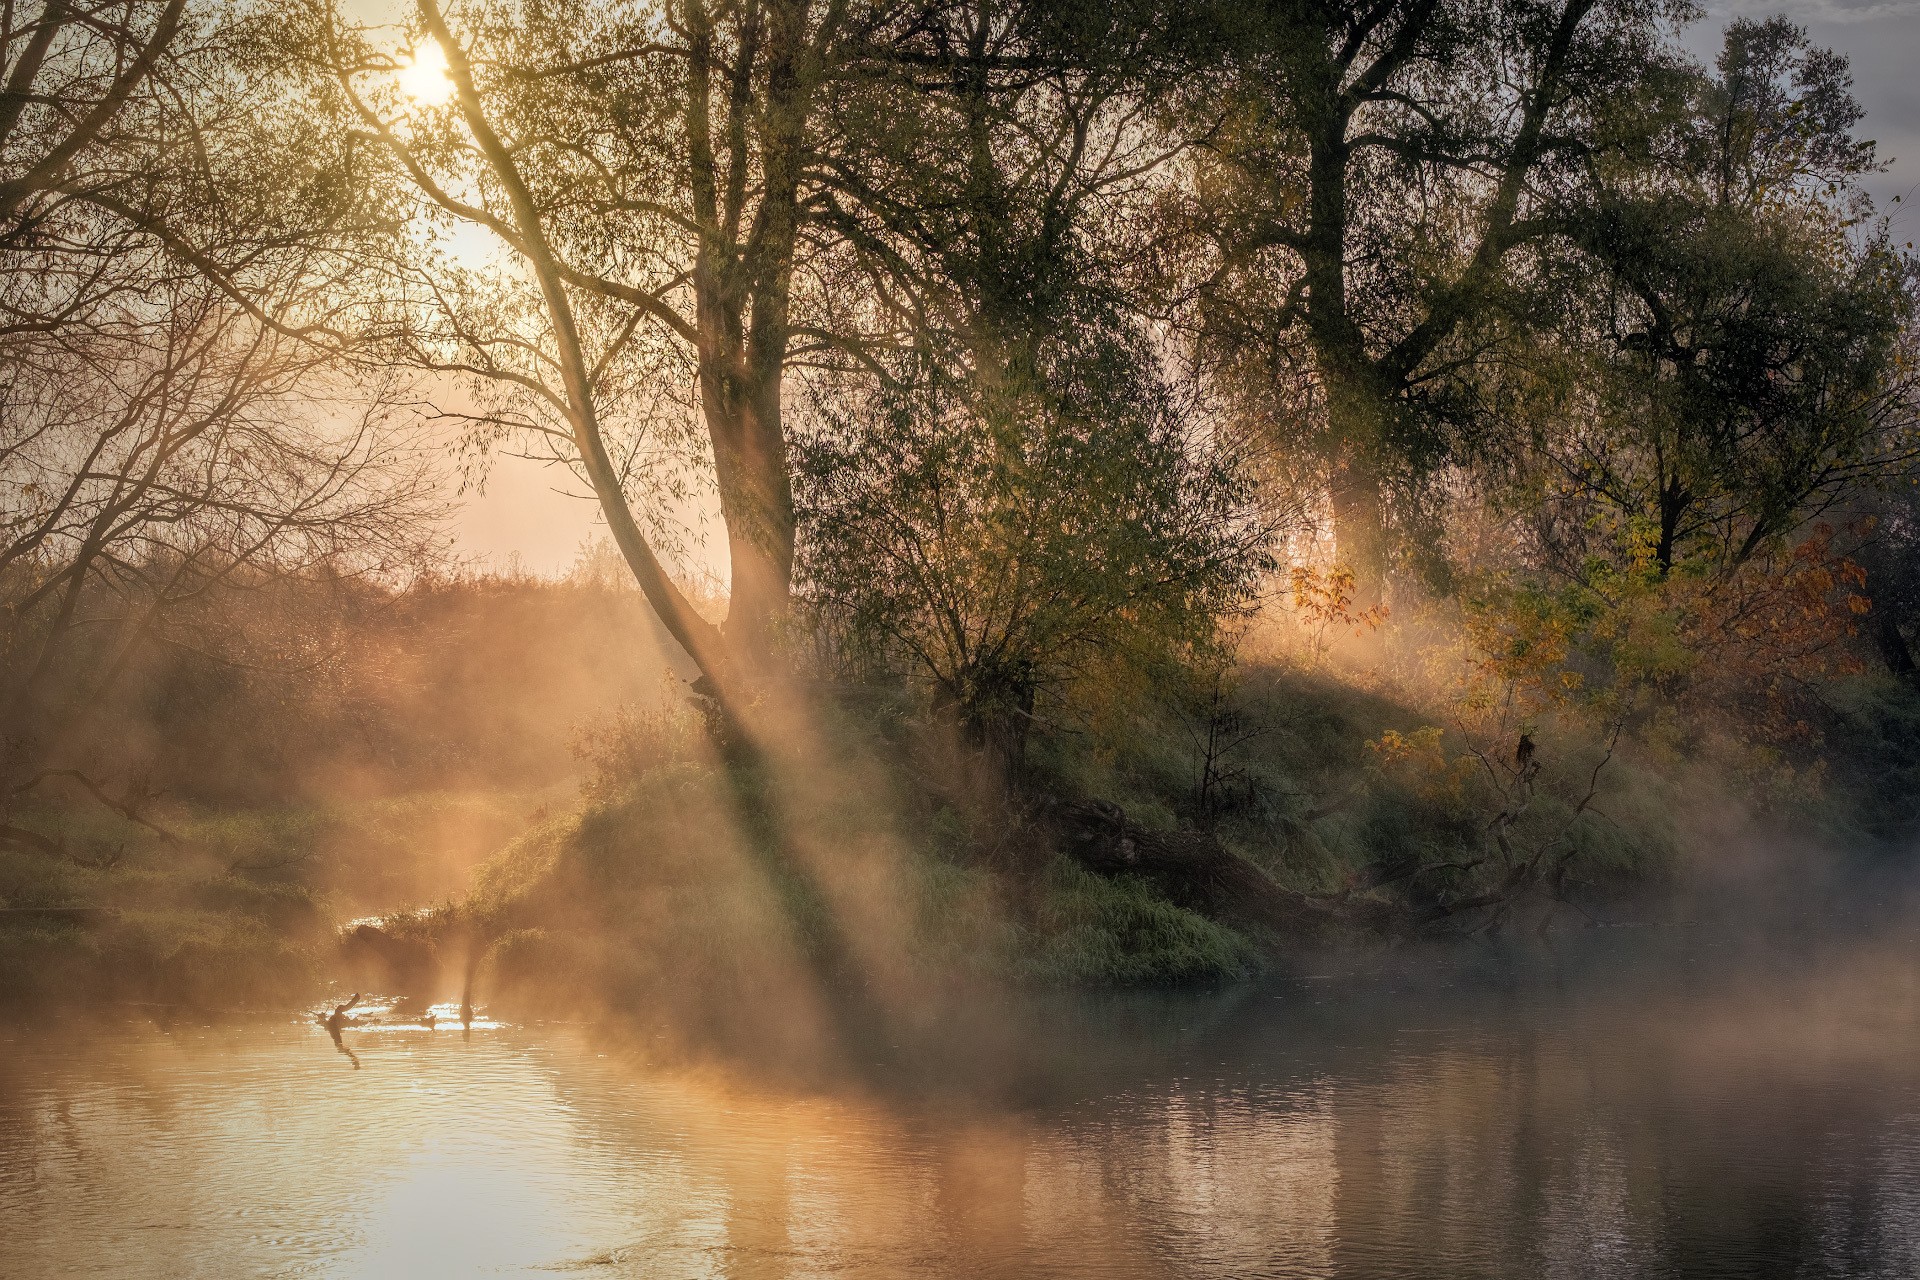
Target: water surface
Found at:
1713, 1112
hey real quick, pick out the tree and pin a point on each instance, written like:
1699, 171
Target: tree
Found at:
158, 463
1730, 361
166, 424
711, 197
1361, 203
996, 550
72, 67
651, 171
989, 177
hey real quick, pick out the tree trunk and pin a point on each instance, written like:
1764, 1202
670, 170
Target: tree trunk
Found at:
1358, 529
1673, 504
756, 500
1355, 403
1356, 411
742, 288
1894, 647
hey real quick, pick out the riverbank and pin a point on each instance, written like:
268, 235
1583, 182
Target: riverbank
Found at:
222, 907
700, 886
869, 850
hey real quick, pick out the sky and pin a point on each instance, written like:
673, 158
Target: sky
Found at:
1882, 40
536, 513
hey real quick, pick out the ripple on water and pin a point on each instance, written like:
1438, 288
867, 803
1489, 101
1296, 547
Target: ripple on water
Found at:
1347, 1131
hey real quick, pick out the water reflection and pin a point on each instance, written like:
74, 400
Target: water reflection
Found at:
1757, 1120
336, 1022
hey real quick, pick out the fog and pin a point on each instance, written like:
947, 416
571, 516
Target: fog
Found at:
923, 637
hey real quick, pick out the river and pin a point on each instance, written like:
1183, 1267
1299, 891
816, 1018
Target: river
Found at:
1688, 1108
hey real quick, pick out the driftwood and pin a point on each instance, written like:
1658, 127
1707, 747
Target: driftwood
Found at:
1194, 870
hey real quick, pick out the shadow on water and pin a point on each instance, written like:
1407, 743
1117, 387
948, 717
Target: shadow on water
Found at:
1674, 1102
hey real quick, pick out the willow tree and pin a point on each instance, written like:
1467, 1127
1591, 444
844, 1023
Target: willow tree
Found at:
1373, 176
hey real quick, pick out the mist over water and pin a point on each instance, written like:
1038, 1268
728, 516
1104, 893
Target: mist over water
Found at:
1633, 1103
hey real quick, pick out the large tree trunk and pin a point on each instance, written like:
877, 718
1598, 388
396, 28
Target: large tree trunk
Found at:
1893, 646
743, 280
756, 501
1357, 409
1355, 405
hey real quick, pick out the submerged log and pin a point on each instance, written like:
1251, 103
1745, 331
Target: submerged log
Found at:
1194, 870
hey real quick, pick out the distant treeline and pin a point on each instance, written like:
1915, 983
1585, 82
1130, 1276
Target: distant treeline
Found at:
318, 689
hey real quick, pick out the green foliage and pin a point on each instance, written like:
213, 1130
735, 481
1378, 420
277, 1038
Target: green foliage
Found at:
996, 545
657, 892
1377, 186
1091, 929
1615, 329
1870, 736
1726, 354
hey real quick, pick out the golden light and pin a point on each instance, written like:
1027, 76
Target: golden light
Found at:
424, 76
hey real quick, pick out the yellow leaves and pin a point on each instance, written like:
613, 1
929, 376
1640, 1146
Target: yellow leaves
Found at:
1324, 600
1420, 759
1642, 538
1519, 644
1859, 604
1394, 747
1326, 597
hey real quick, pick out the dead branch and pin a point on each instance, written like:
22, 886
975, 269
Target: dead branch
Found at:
126, 808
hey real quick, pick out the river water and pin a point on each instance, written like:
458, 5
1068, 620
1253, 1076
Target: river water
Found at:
1694, 1110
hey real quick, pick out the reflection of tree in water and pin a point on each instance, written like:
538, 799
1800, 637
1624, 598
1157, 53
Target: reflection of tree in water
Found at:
338, 1019
334, 1033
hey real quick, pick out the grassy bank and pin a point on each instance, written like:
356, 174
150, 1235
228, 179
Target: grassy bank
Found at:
869, 852
687, 880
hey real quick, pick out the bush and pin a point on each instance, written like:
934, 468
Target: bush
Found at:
993, 546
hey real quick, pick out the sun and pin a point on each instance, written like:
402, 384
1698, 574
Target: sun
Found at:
423, 77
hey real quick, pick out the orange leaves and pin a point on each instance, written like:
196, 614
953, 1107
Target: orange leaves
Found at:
1420, 761
1327, 598
1324, 600
1750, 643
